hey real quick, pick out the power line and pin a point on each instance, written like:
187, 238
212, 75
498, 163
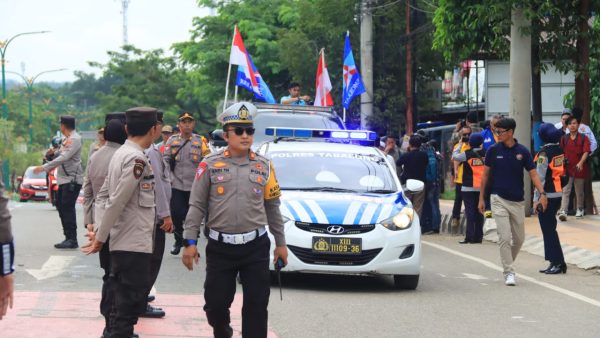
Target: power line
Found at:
385, 5
420, 9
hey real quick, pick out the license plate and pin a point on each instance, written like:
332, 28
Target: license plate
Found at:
41, 194
337, 245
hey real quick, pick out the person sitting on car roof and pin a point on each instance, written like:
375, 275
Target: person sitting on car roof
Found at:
294, 97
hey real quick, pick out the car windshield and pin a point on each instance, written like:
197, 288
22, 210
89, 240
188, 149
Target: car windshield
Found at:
333, 171
29, 174
312, 121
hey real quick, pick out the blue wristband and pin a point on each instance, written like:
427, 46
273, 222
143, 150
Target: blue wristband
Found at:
192, 241
7, 258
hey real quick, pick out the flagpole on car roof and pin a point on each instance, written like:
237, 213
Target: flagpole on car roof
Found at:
229, 70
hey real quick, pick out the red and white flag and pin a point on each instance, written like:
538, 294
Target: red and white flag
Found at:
239, 56
323, 84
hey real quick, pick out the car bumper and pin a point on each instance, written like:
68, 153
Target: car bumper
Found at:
31, 194
381, 252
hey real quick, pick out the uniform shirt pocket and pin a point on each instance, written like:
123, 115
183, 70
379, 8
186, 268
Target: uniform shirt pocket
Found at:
258, 179
146, 197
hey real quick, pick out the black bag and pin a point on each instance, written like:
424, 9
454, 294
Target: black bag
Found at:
172, 161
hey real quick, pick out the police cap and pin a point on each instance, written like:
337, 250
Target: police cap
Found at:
167, 129
115, 116
238, 113
159, 116
68, 121
141, 115
186, 116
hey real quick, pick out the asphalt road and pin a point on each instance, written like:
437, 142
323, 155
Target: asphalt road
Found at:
460, 294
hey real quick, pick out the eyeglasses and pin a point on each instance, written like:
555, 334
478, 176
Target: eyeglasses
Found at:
500, 132
239, 131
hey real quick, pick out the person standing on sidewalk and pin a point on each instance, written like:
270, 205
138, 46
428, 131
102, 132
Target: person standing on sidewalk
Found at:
128, 218
576, 147
183, 152
473, 165
238, 191
413, 164
69, 179
506, 161
461, 146
550, 167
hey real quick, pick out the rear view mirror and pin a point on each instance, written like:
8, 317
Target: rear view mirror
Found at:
414, 185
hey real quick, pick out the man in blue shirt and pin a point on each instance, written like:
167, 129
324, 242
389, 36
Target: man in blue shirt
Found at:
504, 164
294, 97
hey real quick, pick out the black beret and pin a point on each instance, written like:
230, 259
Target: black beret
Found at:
186, 115
141, 114
68, 121
114, 116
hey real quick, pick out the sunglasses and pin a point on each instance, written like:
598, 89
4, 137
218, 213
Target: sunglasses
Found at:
500, 132
239, 131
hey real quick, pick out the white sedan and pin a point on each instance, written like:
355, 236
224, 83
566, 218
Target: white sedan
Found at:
344, 211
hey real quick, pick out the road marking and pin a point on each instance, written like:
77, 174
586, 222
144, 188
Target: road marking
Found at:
472, 276
493, 266
54, 266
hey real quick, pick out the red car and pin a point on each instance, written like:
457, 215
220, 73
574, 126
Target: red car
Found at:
32, 186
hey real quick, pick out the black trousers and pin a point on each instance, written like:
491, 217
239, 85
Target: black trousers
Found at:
66, 199
223, 262
130, 273
107, 300
474, 231
457, 201
157, 255
552, 249
180, 204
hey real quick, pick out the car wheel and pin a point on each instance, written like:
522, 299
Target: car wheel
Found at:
22, 200
406, 282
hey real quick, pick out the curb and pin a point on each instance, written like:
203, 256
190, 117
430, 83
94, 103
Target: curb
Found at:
582, 258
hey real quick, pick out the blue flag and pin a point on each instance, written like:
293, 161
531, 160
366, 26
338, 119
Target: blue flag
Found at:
258, 86
353, 85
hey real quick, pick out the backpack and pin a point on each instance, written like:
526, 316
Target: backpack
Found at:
431, 172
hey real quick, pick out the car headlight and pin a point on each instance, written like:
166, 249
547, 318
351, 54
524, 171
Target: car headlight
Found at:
400, 221
27, 186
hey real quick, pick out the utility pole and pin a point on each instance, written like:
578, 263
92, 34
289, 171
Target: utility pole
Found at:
520, 86
124, 7
409, 75
366, 63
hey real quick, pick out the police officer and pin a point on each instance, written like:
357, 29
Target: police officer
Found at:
163, 221
128, 218
97, 171
7, 257
549, 164
69, 179
96, 145
473, 160
238, 191
183, 153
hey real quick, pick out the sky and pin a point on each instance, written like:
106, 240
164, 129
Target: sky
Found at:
84, 30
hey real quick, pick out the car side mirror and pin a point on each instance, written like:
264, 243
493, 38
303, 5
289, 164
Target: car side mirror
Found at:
414, 185
20, 179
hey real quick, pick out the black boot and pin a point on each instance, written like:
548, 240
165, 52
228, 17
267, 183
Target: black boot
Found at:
546, 269
557, 268
67, 244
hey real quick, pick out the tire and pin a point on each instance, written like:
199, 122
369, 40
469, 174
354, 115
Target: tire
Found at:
22, 200
406, 282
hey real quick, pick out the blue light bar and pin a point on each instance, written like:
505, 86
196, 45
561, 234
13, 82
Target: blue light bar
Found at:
333, 135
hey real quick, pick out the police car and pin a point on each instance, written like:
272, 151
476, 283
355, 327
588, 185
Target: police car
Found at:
343, 206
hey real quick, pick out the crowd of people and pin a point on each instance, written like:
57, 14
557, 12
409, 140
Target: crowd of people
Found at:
487, 172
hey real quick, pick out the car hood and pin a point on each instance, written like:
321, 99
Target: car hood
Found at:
340, 208
34, 181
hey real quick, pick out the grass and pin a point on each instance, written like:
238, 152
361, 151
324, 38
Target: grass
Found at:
448, 195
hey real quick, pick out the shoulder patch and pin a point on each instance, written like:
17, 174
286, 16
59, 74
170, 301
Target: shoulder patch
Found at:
200, 170
138, 168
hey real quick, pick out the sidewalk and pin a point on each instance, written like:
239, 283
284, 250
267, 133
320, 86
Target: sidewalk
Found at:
580, 238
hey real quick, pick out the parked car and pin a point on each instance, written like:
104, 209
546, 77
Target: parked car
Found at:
32, 186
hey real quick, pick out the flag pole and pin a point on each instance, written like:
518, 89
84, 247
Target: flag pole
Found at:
229, 71
321, 79
344, 117
235, 94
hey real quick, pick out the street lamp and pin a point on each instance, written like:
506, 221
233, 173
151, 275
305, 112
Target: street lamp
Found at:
29, 83
3, 45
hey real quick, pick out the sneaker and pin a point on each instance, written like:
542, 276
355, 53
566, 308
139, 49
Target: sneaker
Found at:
488, 214
579, 213
562, 215
67, 244
509, 280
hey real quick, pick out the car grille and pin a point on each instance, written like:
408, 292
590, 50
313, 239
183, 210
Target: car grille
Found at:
322, 228
310, 257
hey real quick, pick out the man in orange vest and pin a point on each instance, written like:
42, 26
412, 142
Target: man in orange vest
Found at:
473, 160
549, 165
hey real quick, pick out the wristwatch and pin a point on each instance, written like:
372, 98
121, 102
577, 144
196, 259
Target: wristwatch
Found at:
188, 242
543, 193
